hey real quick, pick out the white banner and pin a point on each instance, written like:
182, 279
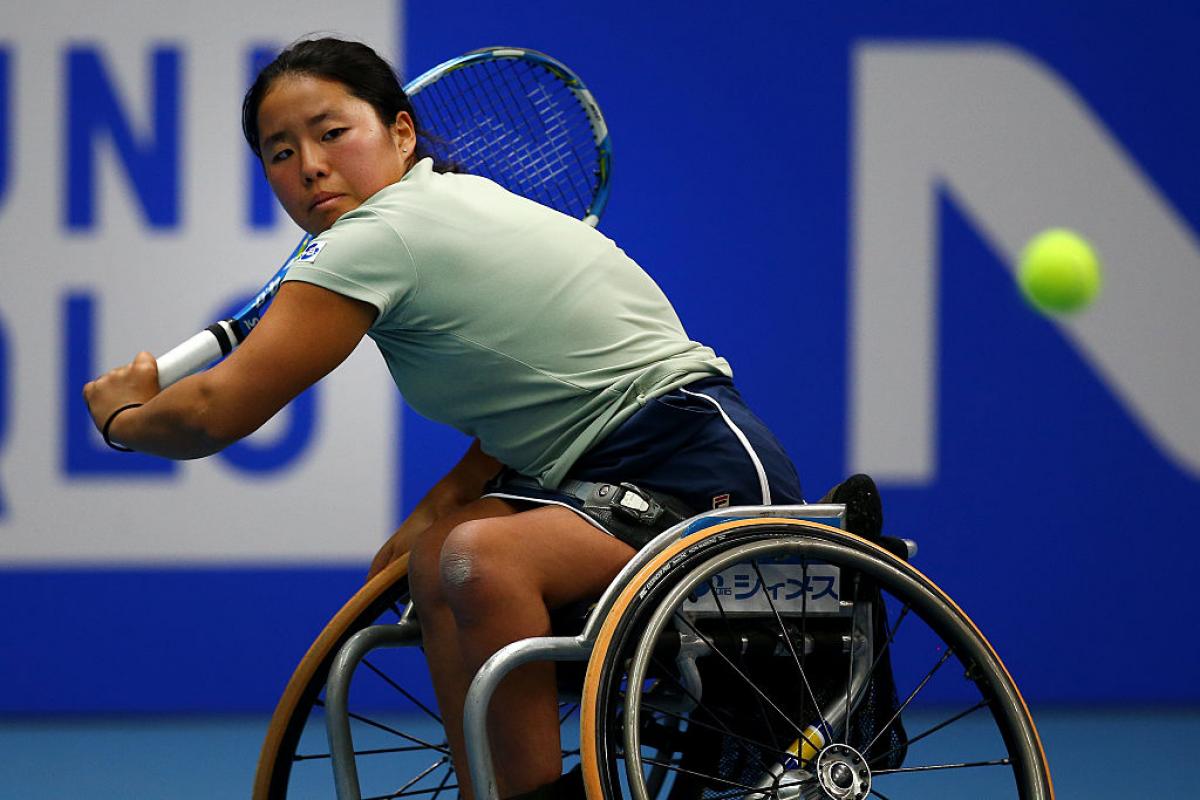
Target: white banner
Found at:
129, 219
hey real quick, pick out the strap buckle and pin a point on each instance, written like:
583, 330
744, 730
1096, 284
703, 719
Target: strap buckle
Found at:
626, 500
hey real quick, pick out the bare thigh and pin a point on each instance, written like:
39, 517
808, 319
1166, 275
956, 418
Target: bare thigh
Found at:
548, 551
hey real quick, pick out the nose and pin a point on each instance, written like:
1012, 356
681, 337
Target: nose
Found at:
313, 164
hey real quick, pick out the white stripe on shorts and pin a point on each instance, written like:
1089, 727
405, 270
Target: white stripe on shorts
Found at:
758, 466
547, 502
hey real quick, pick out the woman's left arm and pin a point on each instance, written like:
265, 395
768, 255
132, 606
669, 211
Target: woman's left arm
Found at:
306, 333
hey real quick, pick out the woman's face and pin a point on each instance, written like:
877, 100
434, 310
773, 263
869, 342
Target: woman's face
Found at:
326, 151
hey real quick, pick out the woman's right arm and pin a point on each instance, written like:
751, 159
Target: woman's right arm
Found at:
307, 332
461, 485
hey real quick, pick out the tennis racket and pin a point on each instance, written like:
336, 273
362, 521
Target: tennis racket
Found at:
516, 116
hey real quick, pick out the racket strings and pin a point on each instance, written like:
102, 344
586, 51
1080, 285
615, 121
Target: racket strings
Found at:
518, 124
561, 136
512, 147
543, 165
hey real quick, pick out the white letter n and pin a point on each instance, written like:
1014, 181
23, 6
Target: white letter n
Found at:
1017, 151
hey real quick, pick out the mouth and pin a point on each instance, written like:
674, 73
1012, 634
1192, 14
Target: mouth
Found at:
322, 199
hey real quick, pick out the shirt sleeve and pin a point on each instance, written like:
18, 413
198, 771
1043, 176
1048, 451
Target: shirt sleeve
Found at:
361, 257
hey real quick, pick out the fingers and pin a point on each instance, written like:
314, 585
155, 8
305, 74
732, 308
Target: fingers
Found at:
145, 362
381, 560
135, 382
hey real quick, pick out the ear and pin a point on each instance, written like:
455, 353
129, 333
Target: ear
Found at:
404, 133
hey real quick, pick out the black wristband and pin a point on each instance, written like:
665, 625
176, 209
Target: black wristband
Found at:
108, 424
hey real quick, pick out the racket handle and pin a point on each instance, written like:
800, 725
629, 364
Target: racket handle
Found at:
196, 353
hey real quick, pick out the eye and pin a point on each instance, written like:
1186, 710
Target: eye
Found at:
281, 155
332, 133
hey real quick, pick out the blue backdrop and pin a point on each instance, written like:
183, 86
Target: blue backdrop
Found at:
1053, 519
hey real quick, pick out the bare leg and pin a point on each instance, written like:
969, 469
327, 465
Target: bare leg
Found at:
439, 631
500, 577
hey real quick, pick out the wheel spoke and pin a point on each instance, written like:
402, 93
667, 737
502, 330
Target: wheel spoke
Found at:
417, 778
850, 655
374, 752
724, 729
699, 703
761, 794
945, 657
726, 732
422, 744
443, 749
743, 676
414, 793
390, 682
913, 739
804, 648
654, 762
798, 660
875, 662
891, 634
762, 712
999, 762
890, 638
442, 787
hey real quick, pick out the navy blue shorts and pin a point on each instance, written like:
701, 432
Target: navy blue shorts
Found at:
699, 444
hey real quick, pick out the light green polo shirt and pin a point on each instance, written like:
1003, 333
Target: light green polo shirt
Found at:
507, 320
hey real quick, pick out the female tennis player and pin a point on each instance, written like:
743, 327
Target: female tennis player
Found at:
522, 327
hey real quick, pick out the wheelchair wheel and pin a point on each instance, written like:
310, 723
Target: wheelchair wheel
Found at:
400, 746
779, 658
295, 762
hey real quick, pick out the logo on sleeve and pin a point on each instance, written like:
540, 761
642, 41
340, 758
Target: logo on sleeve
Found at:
310, 253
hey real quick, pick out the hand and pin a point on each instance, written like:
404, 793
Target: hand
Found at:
397, 545
136, 382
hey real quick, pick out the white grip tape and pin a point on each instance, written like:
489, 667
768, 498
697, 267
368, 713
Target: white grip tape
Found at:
192, 356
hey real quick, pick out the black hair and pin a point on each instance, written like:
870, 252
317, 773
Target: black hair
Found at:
364, 73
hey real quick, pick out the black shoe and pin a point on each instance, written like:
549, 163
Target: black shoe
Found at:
864, 510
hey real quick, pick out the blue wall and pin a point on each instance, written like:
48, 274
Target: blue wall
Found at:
1053, 520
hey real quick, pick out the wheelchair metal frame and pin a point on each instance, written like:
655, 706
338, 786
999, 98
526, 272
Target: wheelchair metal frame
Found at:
542, 648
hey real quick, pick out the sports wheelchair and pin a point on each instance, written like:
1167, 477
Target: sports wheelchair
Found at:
751, 652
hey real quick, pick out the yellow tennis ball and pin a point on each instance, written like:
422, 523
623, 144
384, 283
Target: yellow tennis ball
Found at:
1059, 272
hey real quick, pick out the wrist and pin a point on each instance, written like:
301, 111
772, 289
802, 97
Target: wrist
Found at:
111, 438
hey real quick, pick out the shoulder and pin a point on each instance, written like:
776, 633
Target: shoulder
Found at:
362, 256
364, 234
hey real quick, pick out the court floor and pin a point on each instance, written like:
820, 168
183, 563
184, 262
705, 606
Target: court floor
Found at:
1093, 754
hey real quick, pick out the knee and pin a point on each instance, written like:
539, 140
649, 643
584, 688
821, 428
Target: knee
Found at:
473, 568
